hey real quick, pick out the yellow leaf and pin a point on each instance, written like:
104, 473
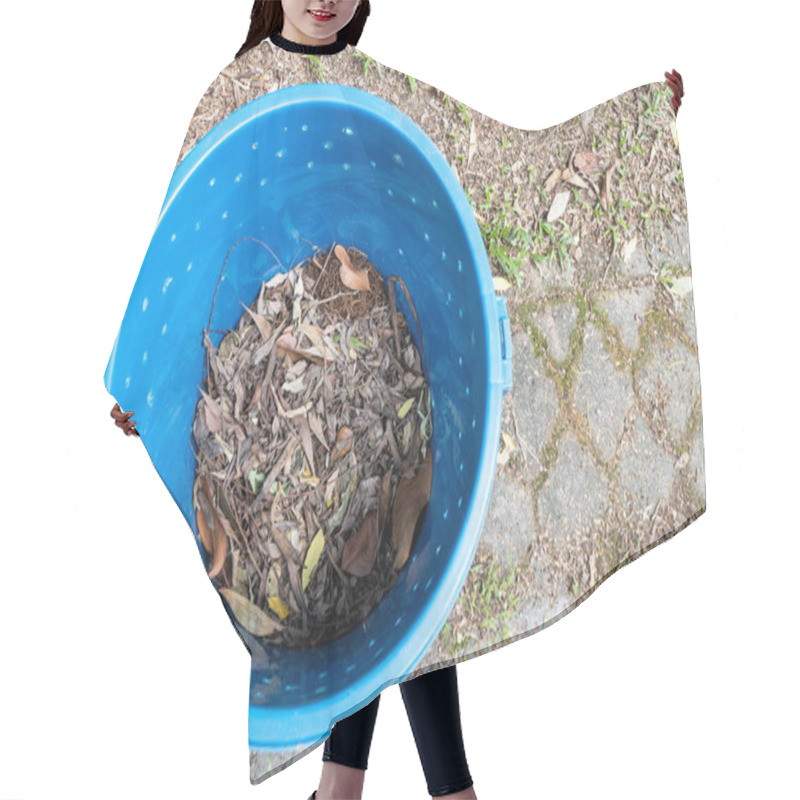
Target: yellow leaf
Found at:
509, 442
405, 408
312, 556
501, 284
278, 606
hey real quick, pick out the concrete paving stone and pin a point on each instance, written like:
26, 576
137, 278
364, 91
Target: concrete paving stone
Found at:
670, 378
636, 267
574, 495
687, 307
603, 394
646, 471
625, 309
534, 398
510, 523
676, 245
557, 323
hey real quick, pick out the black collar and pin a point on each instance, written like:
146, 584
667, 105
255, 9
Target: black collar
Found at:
309, 49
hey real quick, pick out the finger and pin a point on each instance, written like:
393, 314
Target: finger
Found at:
675, 81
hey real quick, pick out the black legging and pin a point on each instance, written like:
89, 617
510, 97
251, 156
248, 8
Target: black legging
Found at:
433, 711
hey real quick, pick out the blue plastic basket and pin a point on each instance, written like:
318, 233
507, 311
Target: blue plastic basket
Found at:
314, 164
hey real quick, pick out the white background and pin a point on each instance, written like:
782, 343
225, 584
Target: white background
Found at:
120, 674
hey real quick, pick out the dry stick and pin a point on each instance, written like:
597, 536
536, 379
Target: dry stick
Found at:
329, 550
322, 269
414, 312
274, 352
317, 302
242, 535
287, 550
393, 307
389, 433
219, 280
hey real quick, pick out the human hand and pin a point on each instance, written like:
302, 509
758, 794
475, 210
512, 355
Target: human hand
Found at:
675, 82
122, 419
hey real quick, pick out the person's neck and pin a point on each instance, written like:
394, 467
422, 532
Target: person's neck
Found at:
294, 34
319, 48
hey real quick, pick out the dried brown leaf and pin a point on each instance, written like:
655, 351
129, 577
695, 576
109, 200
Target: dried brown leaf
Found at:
287, 343
213, 413
360, 550
305, 440
249, 615
316, 428
575, 180
352, 278
411, 500
586, 162
558, 206
553, 179
262, 323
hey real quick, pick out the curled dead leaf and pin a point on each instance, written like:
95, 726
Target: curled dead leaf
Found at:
344, 442
410, 502
211, 530
352, 278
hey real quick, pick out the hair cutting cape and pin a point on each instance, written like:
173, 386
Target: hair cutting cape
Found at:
550, 276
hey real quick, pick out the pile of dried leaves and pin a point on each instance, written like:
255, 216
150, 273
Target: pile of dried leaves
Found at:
313, 464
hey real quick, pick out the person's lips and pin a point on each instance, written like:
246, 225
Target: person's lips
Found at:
321, 15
